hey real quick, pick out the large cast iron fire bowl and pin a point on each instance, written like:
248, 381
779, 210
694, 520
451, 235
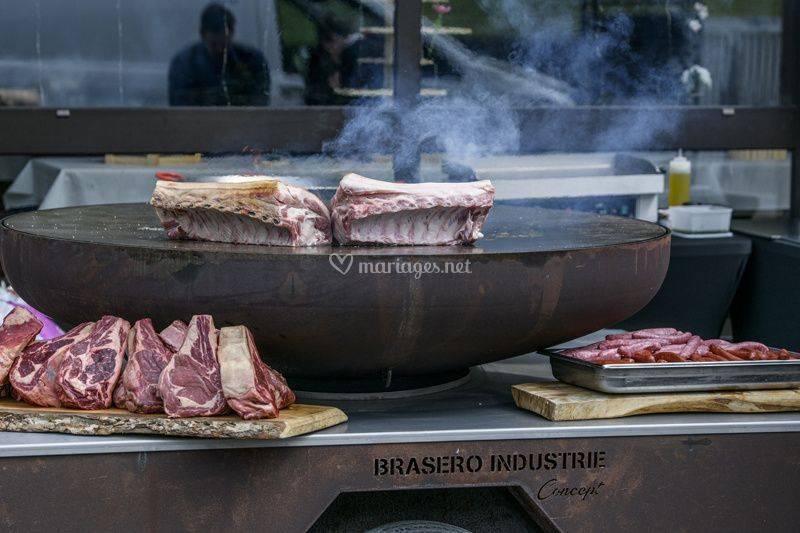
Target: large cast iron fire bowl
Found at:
539, 277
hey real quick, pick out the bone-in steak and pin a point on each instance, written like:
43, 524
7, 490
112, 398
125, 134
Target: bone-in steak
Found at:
91, 367
364, 210
19, 328
120, 396
190, 384
172, 336
265, 211
147, 357
33, 376
251, 388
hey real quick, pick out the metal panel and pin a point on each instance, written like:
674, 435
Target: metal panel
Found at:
703, 483
167, 130
586, 129
306, 129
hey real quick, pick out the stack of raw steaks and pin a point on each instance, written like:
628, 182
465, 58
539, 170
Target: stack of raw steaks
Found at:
183, 371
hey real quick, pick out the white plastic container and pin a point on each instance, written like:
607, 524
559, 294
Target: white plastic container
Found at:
700, 218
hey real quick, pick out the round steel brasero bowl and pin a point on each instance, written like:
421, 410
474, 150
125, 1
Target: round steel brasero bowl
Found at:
334, 314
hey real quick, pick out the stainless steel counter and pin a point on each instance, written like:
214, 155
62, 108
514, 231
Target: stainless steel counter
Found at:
481, 409
773, 228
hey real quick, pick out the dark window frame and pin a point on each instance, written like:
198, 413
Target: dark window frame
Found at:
47, 131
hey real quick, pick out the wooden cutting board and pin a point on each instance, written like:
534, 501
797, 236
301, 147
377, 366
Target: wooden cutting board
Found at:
295, 420
560, 401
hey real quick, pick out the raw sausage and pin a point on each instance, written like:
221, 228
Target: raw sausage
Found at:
670, 345
669, 357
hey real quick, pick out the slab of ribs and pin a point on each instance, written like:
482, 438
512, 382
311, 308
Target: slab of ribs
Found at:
363, 211
249, 212
367, 211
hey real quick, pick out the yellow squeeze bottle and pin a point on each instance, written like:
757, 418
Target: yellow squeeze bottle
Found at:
680, 180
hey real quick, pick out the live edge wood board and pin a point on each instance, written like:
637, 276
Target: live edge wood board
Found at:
294, 420
559, 401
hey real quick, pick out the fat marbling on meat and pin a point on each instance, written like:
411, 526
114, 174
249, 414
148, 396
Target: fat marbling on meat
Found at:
33, 376
251, 388
147, 356
367, 211
90, 369
262, 211
190, 384
19, 328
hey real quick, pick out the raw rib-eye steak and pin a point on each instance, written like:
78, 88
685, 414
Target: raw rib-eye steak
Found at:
19, 328
147, 357
190, 384
364, 211
172, 336
33, 376
91, 367
247, 212
251, 388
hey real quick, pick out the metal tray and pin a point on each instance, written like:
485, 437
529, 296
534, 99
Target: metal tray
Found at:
675, 377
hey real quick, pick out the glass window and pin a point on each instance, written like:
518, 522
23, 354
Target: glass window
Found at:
340, 50
603, 52
749, 181
150, 53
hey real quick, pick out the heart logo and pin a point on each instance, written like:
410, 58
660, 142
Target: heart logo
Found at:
341, 263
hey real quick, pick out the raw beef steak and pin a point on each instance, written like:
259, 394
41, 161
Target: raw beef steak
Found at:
172, 336
251, 388
190, 384
284, 396
147, 357
19, 328
120, 396
264, 211
90, 369
33, 376
364, 210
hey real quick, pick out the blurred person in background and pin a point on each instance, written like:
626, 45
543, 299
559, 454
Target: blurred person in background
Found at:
330, 64
217, 71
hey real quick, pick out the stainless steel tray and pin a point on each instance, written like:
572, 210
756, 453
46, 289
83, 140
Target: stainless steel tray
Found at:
675, 377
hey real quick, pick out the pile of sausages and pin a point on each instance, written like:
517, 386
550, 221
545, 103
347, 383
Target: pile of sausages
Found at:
668, 345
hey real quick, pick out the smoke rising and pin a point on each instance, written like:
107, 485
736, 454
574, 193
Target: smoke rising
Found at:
460, 126
559, 56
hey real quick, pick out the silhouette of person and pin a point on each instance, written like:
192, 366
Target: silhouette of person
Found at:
216, 71
330, 64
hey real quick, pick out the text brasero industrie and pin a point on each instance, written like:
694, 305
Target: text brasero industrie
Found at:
515, 462
398, 266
